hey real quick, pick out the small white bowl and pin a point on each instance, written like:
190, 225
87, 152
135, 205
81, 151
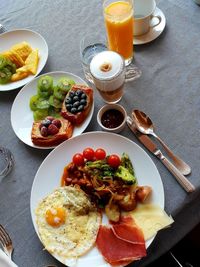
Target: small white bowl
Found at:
108, 107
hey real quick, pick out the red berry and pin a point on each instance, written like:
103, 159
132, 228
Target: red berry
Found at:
52, 129
57, 123
44, 131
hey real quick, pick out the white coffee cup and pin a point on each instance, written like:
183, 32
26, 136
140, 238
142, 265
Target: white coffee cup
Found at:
144, 19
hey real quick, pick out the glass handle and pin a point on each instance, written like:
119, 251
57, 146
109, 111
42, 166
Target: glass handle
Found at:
132, 73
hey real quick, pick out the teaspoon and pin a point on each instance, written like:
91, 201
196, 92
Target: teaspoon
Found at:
145, 126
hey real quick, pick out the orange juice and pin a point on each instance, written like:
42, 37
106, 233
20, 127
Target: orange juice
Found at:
119, 25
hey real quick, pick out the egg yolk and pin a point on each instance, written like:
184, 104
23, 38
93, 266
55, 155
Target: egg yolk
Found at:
56, 216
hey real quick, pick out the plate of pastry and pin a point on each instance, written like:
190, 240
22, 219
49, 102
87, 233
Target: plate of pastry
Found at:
23, 54
52, 108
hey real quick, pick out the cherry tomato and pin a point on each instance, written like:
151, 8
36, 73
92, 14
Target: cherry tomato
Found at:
100, 154
88, 153
78, 159
114, 161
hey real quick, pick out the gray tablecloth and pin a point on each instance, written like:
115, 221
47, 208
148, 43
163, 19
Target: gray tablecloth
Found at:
168, 90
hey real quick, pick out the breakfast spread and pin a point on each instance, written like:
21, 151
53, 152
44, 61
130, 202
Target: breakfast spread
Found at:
18, 62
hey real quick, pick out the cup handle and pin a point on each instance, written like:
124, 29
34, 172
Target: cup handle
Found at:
158, 22
132, 73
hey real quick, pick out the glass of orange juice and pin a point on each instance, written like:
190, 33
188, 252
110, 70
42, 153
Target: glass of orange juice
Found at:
118, 17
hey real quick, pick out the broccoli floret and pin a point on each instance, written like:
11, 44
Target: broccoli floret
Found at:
125, 175
126, 162
100, 168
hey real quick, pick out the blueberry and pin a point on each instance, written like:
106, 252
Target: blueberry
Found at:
76, 104
83, 96
80, 108
71, 93
46, 122
78, 92
75, 98
69, 107
73, 110
68, 100
83, 102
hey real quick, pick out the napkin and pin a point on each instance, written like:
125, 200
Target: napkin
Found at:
5, 261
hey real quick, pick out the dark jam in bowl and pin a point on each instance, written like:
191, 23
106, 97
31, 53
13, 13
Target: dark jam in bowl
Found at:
112, 118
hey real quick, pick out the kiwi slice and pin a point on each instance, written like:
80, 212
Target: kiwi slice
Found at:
3, 62
45, 86
58, 93
5, 75
42, 103
33, 102
65, 84
40, 114
55, 102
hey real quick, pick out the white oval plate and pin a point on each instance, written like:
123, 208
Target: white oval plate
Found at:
154, 32
48, 176
22, 116
35, 40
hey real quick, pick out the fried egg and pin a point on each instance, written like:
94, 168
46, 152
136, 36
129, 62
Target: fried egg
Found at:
67, 223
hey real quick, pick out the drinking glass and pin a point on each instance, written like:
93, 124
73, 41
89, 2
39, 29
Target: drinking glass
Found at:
118, 16
90, 45
108, 73
6, 162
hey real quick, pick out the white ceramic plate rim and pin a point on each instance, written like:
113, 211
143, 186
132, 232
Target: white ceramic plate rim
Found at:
153, 33
43, 56
46, 181
22, 125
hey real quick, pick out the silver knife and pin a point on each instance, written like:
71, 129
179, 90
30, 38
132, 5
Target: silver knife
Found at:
151, 146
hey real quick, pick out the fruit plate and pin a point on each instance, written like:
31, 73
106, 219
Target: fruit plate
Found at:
35, 40
22, 116
48, 176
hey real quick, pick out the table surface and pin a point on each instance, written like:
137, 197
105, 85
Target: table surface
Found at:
168, 91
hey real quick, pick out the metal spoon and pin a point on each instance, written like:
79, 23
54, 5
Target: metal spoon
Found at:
145, 126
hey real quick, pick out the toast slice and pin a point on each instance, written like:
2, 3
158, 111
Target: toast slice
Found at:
78, 117
65, 132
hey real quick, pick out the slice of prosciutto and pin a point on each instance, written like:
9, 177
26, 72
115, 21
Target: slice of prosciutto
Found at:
127, 230
119, 248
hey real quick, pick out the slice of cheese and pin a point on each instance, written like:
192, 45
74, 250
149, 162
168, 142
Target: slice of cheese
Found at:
151, 219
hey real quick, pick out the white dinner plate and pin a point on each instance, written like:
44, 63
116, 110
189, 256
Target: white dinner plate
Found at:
35, 40
154, 32
48, 176
22, 116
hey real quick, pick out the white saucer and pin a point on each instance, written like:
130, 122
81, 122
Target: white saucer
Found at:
153, 33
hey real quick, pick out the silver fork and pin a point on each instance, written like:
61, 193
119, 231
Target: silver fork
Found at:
6, 242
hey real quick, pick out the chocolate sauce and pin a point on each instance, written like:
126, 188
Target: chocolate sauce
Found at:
112, 118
